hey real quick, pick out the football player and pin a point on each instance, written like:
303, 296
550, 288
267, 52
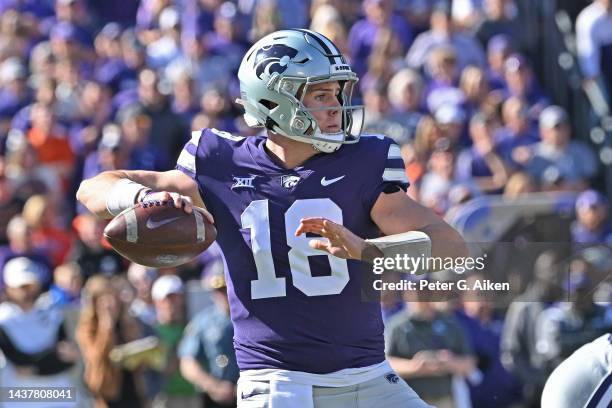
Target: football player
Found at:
303, 335
584, 379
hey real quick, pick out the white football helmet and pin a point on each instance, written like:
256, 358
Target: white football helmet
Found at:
275, 75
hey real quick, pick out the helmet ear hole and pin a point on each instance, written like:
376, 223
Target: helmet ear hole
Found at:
268, 104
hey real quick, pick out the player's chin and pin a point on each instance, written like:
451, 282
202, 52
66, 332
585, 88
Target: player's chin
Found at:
332, 129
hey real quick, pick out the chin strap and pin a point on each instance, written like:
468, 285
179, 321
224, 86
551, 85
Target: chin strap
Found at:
334, 143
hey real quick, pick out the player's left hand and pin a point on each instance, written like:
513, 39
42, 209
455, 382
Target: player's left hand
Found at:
341, 242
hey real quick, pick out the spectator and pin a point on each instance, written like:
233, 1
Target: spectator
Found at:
10, 204
16, 34
113, 153
70, 83
328, 21
95, 109
594, 42
199, 63
266, 19
499, 18
417, 12
14, 94
427, 348
481, 163
103, 324
110, 68
556, 156
520, 82
376, 106
225, 40
592, 224
451, 120
141, 278
483, 327
439, 181
168, 297
90, 251
32, 335
517, 130
20, 245
167, 133
476, 90
50, 140
566, 326
66, 287
42, 62
443, 86
519, 352
48, 235
76, 13
442, 33
405, 94
184, 97
136, 141
378, 14
207, 353
499, 49
166, 45
133, 54
216, 106
428, 136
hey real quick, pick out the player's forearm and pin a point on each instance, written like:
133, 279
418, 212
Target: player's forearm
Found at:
92, 193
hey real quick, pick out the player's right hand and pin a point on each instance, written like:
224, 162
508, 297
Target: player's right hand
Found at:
180, 201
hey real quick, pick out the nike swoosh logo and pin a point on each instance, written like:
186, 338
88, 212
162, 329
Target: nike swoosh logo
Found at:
156, 224
250, 394
325, 182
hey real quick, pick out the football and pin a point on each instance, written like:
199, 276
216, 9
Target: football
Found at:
159, 235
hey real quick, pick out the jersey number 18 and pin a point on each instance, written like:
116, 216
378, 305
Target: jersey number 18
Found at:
256, 217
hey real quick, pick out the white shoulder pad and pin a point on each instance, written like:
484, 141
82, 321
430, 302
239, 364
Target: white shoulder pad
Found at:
226, 135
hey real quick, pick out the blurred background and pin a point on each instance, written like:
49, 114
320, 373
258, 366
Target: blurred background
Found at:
502, 111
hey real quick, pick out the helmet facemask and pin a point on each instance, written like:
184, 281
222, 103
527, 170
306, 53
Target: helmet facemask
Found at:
304, 127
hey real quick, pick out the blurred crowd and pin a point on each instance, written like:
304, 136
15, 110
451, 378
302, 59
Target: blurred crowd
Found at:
94, 85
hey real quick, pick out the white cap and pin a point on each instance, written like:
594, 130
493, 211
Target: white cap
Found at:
449, 113
552, 116
166, 285
21, 271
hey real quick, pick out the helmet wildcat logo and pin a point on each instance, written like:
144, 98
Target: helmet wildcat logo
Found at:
273, 58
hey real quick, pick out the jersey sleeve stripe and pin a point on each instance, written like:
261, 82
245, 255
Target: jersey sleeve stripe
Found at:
395, 175
394, 152
187, 159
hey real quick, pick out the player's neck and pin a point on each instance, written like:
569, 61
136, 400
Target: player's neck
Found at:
289, 153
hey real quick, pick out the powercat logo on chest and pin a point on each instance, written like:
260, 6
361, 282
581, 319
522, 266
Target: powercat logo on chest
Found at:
290, 181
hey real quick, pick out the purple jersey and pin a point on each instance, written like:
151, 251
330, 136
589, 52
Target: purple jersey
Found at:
294, 307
